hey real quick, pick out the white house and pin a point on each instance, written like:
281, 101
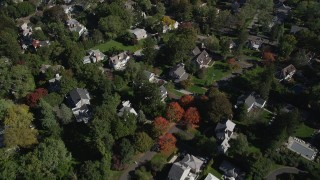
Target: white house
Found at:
139, 33
170, 27
149, 75
79, 100
163, 93
211, 177
120, 61
26, 30
187, 168
224, 131
126, 107
250, 101
93, 56
75, 26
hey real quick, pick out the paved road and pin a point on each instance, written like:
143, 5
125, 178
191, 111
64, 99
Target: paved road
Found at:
283, 170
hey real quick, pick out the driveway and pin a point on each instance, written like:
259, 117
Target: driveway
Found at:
283, 170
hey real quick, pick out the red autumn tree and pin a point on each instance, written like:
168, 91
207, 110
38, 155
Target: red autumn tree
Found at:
34, 97
186, 100
167, 142
160, 125
174, 112
191, 116
231, 61
268, 57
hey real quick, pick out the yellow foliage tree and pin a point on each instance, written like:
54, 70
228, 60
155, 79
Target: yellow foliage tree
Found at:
166, 20
19, 131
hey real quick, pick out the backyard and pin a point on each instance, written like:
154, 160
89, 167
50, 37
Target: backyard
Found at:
304, 131
117, 45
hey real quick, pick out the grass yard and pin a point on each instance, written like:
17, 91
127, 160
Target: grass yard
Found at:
304, 131
253, 149
211, 170
196, 89
214, 73
114, 174
114, 44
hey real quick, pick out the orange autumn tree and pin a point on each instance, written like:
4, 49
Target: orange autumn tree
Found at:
268, 57
186, 100
160, 125
174, 112
167, 142
192, 116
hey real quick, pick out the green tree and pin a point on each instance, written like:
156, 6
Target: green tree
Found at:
8, 165
158, 162
300, 58
126, 151
93, 170
142, 142
65, 114
48, 119
145, 5
212, 43
240, 145
18, 119
112, 26
49, 160
143, 174
25, 8
219, 107
124, 127
287, 45
149, 51
54, 14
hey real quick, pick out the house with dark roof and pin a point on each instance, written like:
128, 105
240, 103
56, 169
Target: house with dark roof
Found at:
119, 61
139, 33
287, 72
250, 101
201, 58
163, 93
54, 83
224, 131
178, 73
93, 56
79, 101
188, 168
75, 26
231, 171
302, 148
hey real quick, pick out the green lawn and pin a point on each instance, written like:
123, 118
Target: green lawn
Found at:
114, 174
196, 89
253, 149
214, 73
212, 171
114, 44
304, 131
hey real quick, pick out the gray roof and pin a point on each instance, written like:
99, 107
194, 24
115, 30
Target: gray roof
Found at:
193, 162
163, 90
178, 70
287, 70
148, 74
250, 100
177, 170
196, 51
302, 148
78, 94
203, 58
139, 33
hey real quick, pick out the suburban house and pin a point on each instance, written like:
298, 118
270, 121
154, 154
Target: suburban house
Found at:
203, 59
67, 9
302, 148
54, 83
93, 56
126, 107
250, 101
139, 33
163, 93
75, 26
224, 131
178, 73
287, 72
169, 27
149, 75
37, 44
187, 168
119, 61
26, 30
79, 100
231, 171
211, 177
